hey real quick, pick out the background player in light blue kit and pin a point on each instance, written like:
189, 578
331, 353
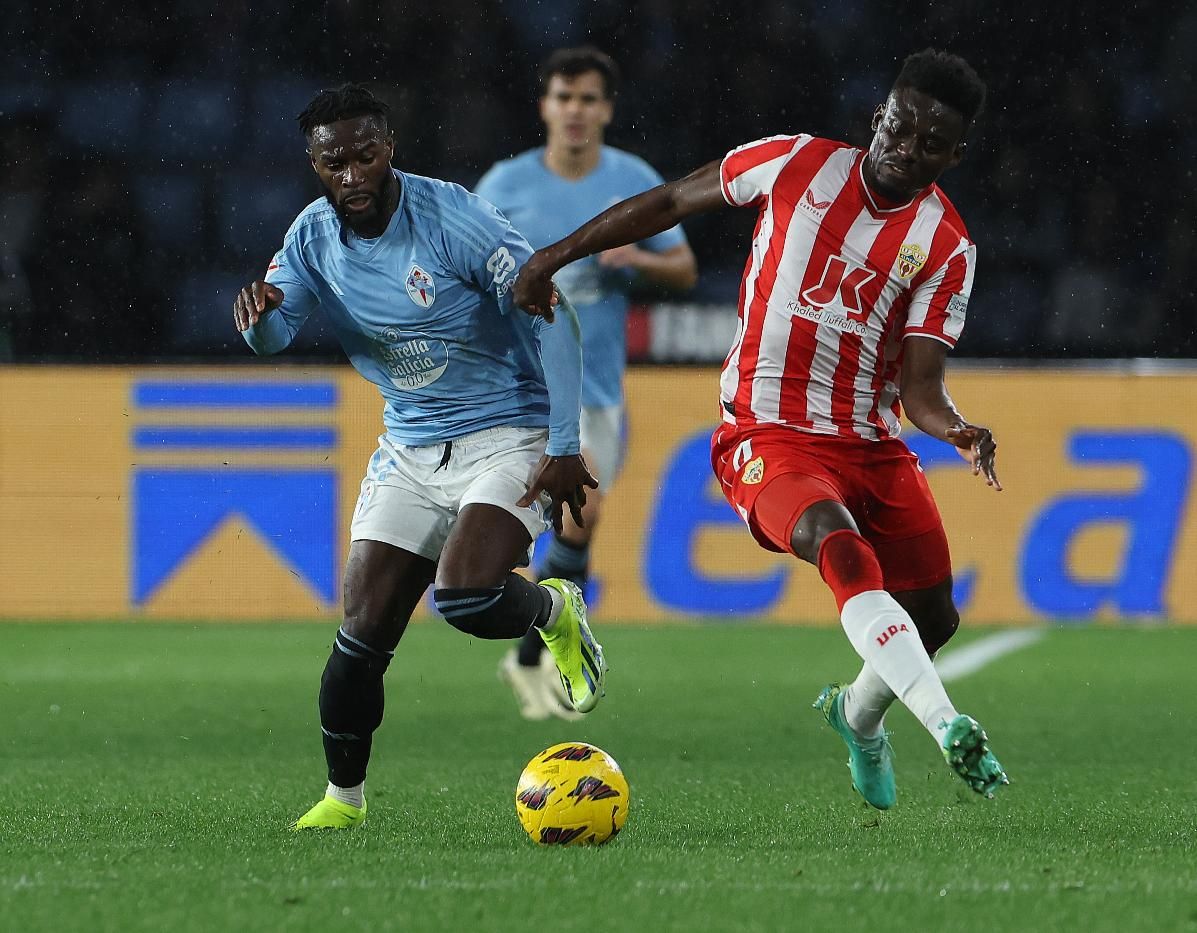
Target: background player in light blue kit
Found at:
481, 448
546, 193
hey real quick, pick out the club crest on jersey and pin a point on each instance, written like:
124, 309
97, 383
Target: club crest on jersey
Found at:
420, 287
754, 471
910, 259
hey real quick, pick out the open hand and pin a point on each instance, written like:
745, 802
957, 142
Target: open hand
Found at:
976, 445
565, 479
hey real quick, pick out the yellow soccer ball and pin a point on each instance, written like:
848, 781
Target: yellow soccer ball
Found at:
572, 794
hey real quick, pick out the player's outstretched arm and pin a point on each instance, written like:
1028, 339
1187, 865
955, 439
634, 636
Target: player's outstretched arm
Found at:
927, 404
629, 221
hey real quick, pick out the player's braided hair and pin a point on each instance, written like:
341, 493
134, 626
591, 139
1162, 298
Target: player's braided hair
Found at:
341, 103
946, 77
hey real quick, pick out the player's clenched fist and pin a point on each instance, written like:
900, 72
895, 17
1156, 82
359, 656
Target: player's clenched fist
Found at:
253, 301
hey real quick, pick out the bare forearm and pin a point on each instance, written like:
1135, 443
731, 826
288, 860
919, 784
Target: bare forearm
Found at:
931, 410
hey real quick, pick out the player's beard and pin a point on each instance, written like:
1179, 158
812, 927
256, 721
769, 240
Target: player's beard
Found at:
355, 221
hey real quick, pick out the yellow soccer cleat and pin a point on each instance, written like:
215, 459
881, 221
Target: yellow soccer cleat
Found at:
330, 813
578, 656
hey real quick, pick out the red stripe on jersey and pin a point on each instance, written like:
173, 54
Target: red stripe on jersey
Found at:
737, 163
887, 372
795, 177
882, 255
740, 304
950, 214
953, 282
944, 242
800, 351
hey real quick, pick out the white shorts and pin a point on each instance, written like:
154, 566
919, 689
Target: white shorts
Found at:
411, 496
602, 442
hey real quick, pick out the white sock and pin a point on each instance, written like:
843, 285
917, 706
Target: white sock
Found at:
887, 641
354, 796
558, 605
866, 700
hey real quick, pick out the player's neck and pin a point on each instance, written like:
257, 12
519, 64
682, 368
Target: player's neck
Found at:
572, 163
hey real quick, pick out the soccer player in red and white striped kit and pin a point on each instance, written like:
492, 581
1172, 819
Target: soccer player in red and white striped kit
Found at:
855, 289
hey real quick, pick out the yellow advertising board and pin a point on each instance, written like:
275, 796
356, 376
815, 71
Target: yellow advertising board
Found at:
225, 493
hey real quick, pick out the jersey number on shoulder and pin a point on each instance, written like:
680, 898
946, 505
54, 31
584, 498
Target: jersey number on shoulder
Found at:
501, 264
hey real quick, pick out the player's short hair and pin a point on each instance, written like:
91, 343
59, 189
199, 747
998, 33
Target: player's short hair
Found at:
345, 102
946, 77
570, 63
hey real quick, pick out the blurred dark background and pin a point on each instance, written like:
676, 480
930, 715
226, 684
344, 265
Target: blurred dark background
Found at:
151, 162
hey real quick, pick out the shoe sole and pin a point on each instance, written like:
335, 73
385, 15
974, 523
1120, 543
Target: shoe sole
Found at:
967, 752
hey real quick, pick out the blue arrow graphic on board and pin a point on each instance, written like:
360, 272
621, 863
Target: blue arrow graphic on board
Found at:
176, 510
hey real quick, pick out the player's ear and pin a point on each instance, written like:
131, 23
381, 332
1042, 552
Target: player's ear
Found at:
608, 111
877, 115
958, 154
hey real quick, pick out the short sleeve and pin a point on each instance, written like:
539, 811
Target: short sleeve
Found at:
938, 307
748, 173
490, 186
487, 251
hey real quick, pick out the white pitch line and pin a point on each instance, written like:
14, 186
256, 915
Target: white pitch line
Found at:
953, 665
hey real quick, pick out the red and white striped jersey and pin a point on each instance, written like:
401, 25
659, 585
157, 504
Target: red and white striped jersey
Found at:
835, 282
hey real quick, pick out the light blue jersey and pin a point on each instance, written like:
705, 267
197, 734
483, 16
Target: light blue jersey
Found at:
425, 313
545, 207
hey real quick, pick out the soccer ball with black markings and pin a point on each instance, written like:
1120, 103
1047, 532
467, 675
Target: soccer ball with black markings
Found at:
572, 794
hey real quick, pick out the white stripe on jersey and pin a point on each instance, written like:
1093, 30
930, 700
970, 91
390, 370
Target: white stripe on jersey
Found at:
800, 241
863, 233
871, 368
730, 379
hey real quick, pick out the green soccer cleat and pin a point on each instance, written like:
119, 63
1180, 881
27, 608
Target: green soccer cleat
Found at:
966, 751
330, 813
871, 761
578, 656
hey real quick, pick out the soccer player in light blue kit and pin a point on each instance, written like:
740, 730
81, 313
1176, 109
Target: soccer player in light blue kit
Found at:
546, 193
481, 448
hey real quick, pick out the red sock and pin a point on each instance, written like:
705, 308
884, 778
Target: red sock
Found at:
848, 564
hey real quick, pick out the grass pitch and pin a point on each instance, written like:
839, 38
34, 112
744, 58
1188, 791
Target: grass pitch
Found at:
149, 773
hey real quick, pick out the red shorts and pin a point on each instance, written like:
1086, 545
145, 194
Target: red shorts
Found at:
771, 474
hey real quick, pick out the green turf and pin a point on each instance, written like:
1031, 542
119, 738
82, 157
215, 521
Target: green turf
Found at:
149, 772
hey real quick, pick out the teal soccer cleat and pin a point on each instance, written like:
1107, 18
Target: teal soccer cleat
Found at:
871, 760
966, 751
